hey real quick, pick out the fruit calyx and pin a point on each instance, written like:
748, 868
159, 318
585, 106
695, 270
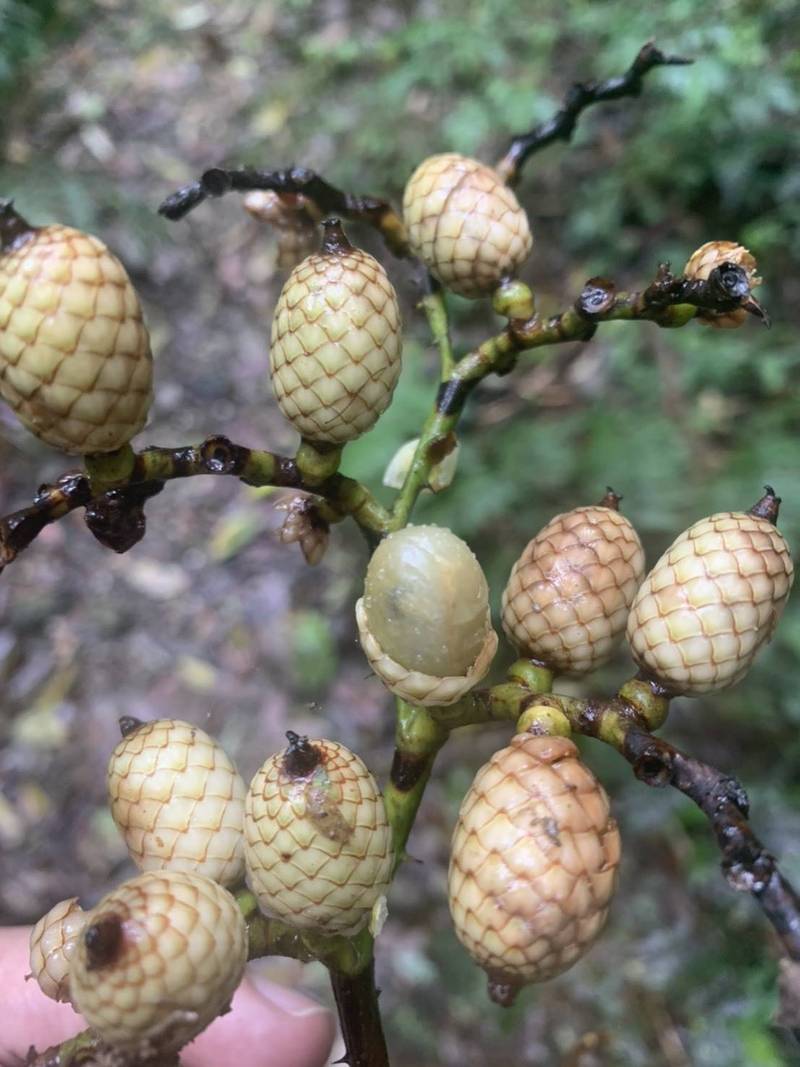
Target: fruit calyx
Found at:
301, 757
768, 506
334, 239
14, 229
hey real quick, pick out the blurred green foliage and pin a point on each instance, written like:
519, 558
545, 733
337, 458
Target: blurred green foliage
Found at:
27, 28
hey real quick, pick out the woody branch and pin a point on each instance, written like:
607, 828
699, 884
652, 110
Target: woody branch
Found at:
116, 503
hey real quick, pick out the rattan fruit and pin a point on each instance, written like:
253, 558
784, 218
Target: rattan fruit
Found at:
568, 596
158, 960
75, 361
336, 342
318, 842
52, 945
177, 799
712, 600
533, 863
465, 224
705, 259
424, 619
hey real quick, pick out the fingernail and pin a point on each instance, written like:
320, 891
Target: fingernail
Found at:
284, 999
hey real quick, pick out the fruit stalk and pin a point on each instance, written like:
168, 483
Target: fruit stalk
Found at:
360, 1017
418, 738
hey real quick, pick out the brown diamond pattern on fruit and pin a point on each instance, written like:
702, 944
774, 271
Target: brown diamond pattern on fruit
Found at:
533, 861
318, 846
465, 224
158, 960
567, 598
75, 361
52, 945
336, 345
178, 801
710, 603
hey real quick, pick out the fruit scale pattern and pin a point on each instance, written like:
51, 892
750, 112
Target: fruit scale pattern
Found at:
711, 601
75, 361
318, 843
533, 861
335, 349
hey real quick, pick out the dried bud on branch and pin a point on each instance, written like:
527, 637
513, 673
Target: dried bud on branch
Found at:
707, 258
305, 524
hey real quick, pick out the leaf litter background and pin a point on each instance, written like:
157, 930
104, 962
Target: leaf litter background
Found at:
105, 108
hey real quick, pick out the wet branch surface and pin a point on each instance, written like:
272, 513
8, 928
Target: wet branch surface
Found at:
115, 515
360, 1017
747, 865
327, 198
582, 95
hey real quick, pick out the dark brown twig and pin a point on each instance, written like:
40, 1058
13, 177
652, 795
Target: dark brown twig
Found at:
748, 866
357, 1003
328, 199
115, 516
561, 126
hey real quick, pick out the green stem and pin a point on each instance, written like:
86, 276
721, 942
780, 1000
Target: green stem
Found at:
109, 470
418, 738
435, 307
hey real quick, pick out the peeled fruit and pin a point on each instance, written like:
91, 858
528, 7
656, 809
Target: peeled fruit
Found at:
424, 619
52, 945
568, 596
75, 361
336, 342
533, 863
465, 224
318, 842
177, 799
158, 960
712, 600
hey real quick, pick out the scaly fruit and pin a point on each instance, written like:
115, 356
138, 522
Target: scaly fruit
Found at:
465, 224
75, 361
158, 959
52, 946
568, 596
318, 842
424, 619
177, 799
533, 863
336, 342
712, 600
700, 265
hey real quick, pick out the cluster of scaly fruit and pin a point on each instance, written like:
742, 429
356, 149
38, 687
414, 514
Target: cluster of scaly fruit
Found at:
75, 360
535, 849
159, 957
